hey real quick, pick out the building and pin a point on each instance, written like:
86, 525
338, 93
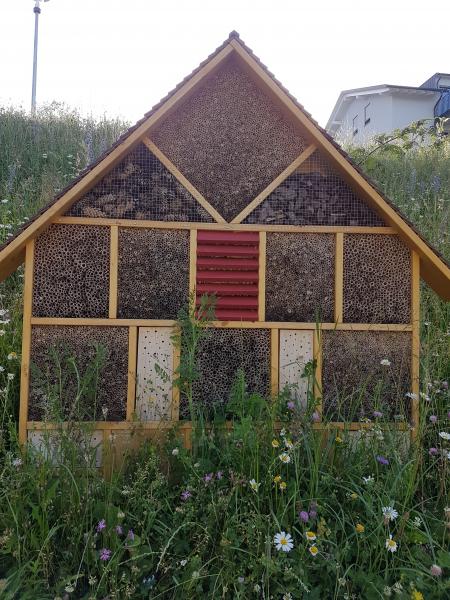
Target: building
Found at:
226, 186
361, 113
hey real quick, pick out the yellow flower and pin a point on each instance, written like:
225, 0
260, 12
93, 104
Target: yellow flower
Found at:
415, 595
338, 440
277, 479
283, 485
314, 550
310, 536
354, 496
275, 443
360, 528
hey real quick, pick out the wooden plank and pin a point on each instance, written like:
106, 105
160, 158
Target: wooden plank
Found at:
339, 279
26, 341
113, 271
222, 324
274, 184
262, 276
132, 366
182, 179
296, 350
317, 353
274, 362
175, 389
226, 227
434, 271
192, 261
415, 346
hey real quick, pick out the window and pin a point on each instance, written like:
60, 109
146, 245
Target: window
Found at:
366, 114
355, 125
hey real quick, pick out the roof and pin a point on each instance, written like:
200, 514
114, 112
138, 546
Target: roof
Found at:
434, 269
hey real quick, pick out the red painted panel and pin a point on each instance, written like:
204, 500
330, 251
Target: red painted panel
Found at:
209, 250
229, 237
236, 315
236, 276
231, 289
245, 302
249, 264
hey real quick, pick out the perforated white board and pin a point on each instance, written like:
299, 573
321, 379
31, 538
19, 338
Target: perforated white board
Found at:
154, 373
48, 444
296, 349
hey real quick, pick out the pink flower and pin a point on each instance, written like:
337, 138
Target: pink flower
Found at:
433, 451
303, 516
436, 570
382, 460
433, 419
101, 525
208, 477
105, 554
185, 495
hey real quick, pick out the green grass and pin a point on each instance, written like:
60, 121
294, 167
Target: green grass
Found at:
217, 540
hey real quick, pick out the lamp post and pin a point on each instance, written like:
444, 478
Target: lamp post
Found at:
37, 12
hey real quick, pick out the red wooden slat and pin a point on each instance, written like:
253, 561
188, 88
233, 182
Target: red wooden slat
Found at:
232, 289
219, 237
236, 276
234, 302
209, 250
236, 315
227, 263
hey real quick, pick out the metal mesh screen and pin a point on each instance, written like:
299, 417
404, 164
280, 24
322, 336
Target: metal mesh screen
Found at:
140, 188
315, 194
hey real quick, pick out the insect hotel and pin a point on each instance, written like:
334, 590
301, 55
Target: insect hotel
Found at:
227, 187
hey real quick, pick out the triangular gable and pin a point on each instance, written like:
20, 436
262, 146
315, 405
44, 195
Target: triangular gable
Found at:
433, 268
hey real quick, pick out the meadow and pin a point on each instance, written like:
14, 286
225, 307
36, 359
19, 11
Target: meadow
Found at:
270, 508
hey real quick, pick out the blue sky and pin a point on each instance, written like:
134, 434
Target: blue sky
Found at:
121, 57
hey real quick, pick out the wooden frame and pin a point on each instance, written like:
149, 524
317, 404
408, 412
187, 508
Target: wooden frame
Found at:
415, 345
132, 369
339, 278
113, 271
26, 341
274, 361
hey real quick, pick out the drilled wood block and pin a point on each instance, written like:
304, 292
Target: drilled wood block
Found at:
377, 279
355, 380
221, 354
50, 443
300, 277
314, 194
153, 280
154, 373
140, 187
296, 350
71, 272
54, 384
229, 139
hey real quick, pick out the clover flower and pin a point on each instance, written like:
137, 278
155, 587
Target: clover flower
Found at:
101, 525
391, 545
105, 554
283, 541
436, 570
433, 451
303, 516
389, 513
433, 419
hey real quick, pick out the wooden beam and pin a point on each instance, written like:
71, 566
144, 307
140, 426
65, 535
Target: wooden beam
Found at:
113, 271
275, 183
193, 262
222, 227
132, 368
415, 345
222, 324
182, 179
274, 362
339, 279
262, 276
26, 341
317, 354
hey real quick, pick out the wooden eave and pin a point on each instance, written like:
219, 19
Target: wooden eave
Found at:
434, 270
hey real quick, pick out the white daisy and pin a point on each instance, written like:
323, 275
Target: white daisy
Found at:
285, 458
389, 513
444, 435
368, 480
175, 452
310, 536
283, 541
254, 485
10, 376
391, 545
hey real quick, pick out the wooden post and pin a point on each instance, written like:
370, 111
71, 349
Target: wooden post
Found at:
415, 345
26, 341
113, 271
317, 353
132, 365
262, 276
274, 361
339, 279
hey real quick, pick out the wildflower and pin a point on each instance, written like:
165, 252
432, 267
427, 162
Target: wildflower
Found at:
10, 376
385, 362
175, 452
219, 475
254, 485
315, 417
368, 480
283, 541
389, 513
183, 562
444, 435
17, 462
105, 411
130, 535
2, 332
208, 477
391, 545
342, 581
425, 397
338, 440
195, 575
291, 405
387, 591
283, 485
310, 536
101, 525
196, 465
382, 460
119, 529
415, 595
283, 433
354, 496
285, 458
277, 479
360, 528
275, 443
287, 596
149, 582
92, 580
433, 451
433, 419
313, 550
257, 588
397, 587
289, 445
417, 522
377, 414
241, 580
436, 570
411, 395
303, 516
12, 355
69, 588
105, 554
120, 514
447, 454
3, 312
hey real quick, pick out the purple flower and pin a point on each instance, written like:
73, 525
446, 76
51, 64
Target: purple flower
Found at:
119, 530
101, 525
433, 419
433, 451
130, 534
208, 477
312, 514
377, 414
315, 417
291, 405
185, 495
382, 460
303, 516
219, 475
105, 554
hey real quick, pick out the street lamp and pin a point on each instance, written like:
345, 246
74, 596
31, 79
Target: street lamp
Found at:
37, 12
